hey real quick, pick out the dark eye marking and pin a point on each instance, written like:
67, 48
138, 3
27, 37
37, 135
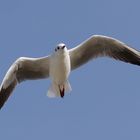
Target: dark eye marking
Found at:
63, 47
58, 48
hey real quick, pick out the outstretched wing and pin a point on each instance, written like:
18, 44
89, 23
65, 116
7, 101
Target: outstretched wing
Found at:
23, 69
99, 45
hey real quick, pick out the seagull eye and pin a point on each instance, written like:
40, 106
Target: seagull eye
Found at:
63, 47
58, 48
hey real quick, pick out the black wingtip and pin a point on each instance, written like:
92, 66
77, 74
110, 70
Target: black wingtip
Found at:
6, 92
3, 97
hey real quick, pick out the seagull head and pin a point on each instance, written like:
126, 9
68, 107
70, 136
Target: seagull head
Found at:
61, 48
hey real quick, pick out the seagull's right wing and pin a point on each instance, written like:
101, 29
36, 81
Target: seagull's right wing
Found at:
23, 69
102, 46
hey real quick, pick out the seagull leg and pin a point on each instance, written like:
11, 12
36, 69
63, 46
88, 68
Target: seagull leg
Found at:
61, 90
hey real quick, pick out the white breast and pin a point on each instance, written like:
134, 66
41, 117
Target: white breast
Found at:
60, 67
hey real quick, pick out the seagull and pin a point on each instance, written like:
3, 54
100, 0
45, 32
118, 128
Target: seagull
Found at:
62, 61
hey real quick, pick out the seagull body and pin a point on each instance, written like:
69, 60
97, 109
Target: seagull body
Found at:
59, 65
59, 72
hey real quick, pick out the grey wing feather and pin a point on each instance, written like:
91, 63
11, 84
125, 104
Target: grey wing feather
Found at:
99, 45
23, 69
32, 68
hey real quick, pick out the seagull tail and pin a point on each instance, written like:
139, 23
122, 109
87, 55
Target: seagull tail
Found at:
67, 86
54, 90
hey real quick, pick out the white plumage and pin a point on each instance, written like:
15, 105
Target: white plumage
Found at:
59, 71
62, 61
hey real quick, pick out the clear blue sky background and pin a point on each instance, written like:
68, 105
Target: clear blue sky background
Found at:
105, 101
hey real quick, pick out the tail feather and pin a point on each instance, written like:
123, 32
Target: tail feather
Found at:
58, 90
67, 86
53, 91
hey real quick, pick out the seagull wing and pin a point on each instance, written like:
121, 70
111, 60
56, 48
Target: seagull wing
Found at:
99, 45
23, 69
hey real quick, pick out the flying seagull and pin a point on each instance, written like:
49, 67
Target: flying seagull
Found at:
58, 65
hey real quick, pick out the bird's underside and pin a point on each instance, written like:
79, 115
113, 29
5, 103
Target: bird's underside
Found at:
37, 68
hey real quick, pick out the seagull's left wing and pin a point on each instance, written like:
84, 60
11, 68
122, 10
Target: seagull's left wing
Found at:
99, 45
23, 69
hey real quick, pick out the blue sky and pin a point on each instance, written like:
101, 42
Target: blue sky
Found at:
105, 100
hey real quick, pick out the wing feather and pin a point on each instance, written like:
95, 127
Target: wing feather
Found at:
98, 46
23, 69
